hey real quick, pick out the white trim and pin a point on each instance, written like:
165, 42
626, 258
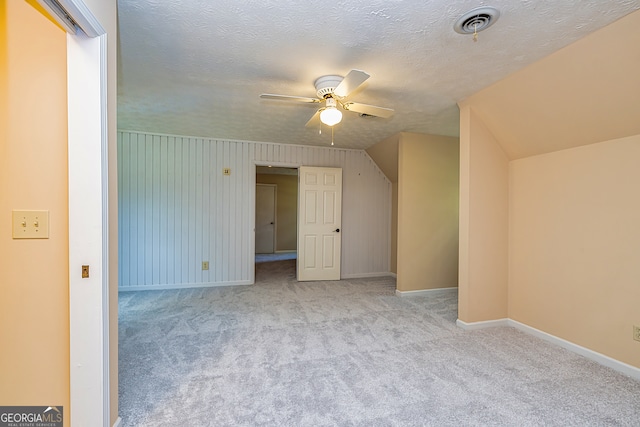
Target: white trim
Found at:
104, 120
87, 93
183, 286
365, 275
426, 292
392, 274
251, 253
274, 164
472, 326
80, 13
600, 358
118, 422
252, 204
88, 230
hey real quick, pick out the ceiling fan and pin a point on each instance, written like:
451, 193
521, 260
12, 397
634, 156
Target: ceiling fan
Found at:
333, 91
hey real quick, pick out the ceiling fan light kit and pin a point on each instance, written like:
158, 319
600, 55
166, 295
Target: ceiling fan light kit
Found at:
330, 115
334, 90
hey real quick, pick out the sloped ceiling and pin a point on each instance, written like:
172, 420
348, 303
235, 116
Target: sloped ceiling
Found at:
196, 67
585, 93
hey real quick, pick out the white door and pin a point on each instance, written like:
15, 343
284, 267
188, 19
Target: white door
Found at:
265, 218
319, 222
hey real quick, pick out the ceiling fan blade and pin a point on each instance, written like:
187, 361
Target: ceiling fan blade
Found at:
314, 121
289, 98
350, 82
370, 110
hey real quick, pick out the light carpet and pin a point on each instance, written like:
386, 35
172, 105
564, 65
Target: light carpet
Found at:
347, 353
280, 256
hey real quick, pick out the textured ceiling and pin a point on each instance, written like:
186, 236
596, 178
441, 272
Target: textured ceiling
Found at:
197, 67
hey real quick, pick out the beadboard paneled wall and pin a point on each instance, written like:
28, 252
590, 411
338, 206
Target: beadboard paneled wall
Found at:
177, 209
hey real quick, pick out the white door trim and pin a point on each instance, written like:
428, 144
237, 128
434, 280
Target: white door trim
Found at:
252, 206
87, 64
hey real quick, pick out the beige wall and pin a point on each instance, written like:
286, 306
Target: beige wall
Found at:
34, 291
484, 175
570, 135
385, 154
393, 262
575, 240
286, 208
428, 181
33, 54
582, 94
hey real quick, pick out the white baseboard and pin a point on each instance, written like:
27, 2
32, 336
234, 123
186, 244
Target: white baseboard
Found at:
600, 358
118, 422
394, 275
481, 325
426, 292
181, 286
364, 275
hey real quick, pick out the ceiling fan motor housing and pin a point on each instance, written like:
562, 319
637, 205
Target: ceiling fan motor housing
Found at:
326, 85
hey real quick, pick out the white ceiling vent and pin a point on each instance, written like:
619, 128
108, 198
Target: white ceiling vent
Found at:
476, 20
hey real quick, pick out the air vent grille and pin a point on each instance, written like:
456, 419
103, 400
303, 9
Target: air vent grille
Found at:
476, 20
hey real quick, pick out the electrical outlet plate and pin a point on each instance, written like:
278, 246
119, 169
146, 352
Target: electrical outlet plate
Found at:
205, 265
636, 333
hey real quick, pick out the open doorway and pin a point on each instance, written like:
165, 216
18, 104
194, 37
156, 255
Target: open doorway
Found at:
276, 214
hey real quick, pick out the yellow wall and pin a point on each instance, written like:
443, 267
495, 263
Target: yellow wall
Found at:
34, 291
484, 176
423, 170
34, 274
562, 139
393, 262
427, 212
286, 209
575, 239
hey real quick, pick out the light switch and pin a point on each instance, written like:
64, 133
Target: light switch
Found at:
30, 224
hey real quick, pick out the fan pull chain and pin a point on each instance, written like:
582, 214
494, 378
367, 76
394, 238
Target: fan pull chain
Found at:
331, 135
475, 32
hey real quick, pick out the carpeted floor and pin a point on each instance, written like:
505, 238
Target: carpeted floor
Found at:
348, 353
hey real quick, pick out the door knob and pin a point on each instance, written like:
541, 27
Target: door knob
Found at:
337, 230
271, 223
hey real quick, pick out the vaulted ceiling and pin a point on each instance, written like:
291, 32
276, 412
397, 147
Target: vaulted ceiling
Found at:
197, 67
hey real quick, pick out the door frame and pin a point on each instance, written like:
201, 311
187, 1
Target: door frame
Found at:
88, 229
252, 205
88, 192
